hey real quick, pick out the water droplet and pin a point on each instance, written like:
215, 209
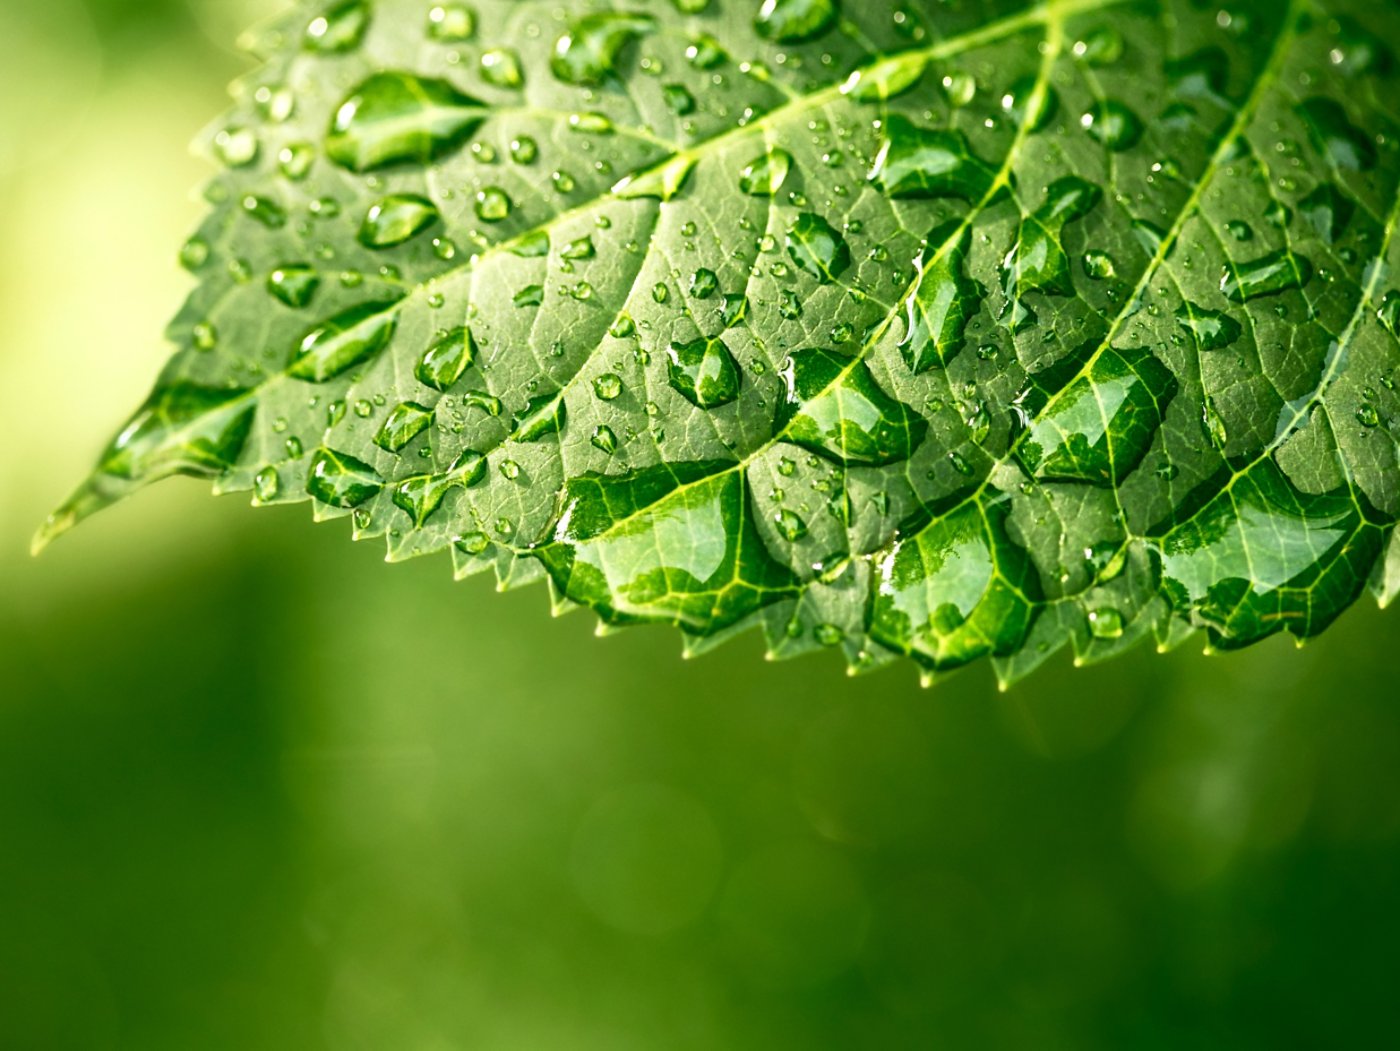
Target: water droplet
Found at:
524, 150
1114, 125
1102, 46
529, 296
265, 211
1099, 266
944, 300
916, 162
1344, 144
348, 339
1328, 211
955, 591
295, 160
608, 386
1210, 330
1037, 262
267, 485
703, 372
794, 21
473, 544
340, 480
395, 220
493, 205
194, 254
664, 183
1367, 415
341, 28
765, 175
1098, 429
542, 417
1274, 273
501, 67
406, 422
421, 496
834, 407
485, 401
704, 283
393, 118
1240, 231
1389, 312
1031, 104
294, 285
1263, 557
451, 23
790, 526
1201, 74
236, 147
577, 250
705, 52
604, 439
1105, 623
673, 543
887, 79
678, 99
817, 248
588, 53
443, 363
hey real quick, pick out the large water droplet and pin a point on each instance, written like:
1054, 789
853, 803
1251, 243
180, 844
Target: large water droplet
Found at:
543, 416
1263, 557
397, 219
1328, 211
818, 248
943, 302
294, 285
341, 28
673, 543
421, 496
1031, 104
795, 21
406, 422
1037, 262
1344, 144
1210, 330
662, 183
833, 406
393, 118
887, 79
493, 205
1114, 125
1274, 273
916, 162
348, 339
765, 175
588, 53
957, 590
501, 67
703, 372
443, 363
451, 23
1099, 428
340, 480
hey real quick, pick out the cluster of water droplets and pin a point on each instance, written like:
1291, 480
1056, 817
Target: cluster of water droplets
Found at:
905, 330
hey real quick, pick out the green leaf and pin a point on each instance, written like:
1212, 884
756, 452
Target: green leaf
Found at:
942, 329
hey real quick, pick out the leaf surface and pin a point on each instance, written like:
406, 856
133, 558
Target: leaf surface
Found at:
939, 329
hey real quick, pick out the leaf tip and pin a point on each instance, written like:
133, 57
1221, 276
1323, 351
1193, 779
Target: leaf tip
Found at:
84, 503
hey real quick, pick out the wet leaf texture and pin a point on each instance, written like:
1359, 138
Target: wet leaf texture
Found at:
935, 329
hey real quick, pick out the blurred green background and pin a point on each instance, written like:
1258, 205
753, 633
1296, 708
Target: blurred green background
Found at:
259, 791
